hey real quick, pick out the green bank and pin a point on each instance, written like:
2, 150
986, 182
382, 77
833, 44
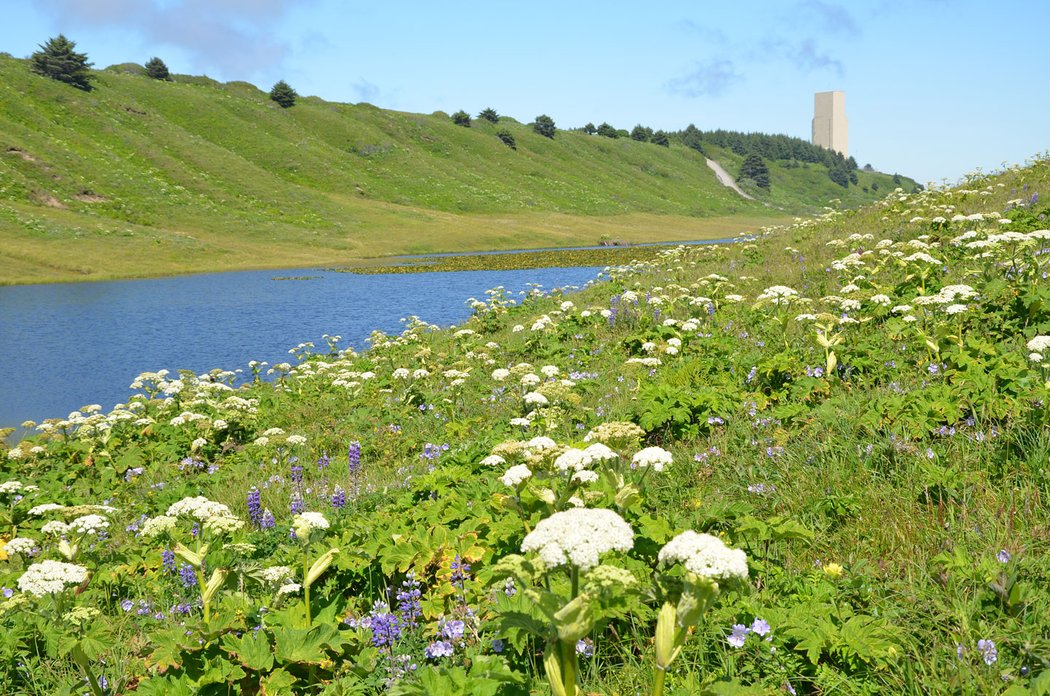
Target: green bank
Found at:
142, 177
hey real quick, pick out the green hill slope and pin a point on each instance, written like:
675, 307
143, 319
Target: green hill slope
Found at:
140, 177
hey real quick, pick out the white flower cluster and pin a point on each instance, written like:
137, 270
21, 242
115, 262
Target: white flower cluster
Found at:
89, 524
777, 294
535, 399
155, 526
199, 508
515, 475
306, 522
51, 577
277, 575
705, 555
578, 537
1037, 348
21, 546
655, 457
44, 509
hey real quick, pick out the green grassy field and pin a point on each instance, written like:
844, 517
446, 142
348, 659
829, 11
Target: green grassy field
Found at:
815, 463
141, 178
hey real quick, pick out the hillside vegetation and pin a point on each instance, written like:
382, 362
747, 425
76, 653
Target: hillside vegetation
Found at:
815, 463
144, 177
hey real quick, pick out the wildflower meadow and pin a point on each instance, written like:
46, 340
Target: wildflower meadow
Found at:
815, 461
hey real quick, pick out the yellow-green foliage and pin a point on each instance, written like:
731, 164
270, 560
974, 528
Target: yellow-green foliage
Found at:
141, 177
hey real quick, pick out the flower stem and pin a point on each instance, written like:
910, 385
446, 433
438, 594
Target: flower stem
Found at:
306, 585
568, 667
85, 665
658, 681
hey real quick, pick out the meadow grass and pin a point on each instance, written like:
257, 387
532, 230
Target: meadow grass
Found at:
143, 178
857, 402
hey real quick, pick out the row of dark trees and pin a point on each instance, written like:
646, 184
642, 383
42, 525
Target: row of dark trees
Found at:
544, 125
59, 60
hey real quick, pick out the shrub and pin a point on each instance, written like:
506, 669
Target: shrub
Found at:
489, 115
544, 125
507, 137
589, 129
283, 94
156, 69
57, 59
607, 131
461, 118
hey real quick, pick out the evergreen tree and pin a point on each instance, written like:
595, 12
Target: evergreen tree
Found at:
283, 94
754, 168
156, 69
57, 59
607, 131
839, 175
544, 125
489, 115
589, 129
507, 137
461, 118
639, 133
660, 138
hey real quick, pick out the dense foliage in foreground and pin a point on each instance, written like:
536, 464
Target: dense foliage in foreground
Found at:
812, 463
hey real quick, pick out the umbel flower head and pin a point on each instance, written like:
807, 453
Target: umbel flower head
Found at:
578, 536
706, 556
51, 577
306, 522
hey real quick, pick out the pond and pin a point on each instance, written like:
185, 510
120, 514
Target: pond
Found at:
72, 344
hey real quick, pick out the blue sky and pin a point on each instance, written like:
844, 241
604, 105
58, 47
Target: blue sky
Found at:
934, 88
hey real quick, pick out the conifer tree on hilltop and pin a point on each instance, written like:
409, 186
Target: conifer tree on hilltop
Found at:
57, 59
156, 69
283, 94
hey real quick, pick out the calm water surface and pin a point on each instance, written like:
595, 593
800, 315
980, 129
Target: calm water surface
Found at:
71, 344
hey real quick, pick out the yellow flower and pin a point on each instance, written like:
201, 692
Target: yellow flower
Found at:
834, 570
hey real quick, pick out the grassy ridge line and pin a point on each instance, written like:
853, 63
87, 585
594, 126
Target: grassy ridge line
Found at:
142, 178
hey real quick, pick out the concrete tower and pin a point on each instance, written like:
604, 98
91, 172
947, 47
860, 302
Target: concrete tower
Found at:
829, 121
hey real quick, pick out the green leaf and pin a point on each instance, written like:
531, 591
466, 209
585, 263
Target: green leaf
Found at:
253, 651
277, 683
305, 645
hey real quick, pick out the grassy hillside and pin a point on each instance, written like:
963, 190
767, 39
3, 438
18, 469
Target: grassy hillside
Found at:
856, 406
140, 177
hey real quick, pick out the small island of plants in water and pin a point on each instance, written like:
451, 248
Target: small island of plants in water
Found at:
812, 463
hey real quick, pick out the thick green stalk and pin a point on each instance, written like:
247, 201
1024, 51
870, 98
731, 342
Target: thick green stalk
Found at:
658, 681
568, 667
85, 665
306, 585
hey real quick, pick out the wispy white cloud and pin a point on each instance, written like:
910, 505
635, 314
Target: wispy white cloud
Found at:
237, 37
708, 79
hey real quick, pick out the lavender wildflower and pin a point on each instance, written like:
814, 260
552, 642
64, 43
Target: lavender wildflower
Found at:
498, 645
188, 575
323, 461
125, 604
353, 456
738, 636
988, 652
1003, 556
438, 649
168, 559
297, 504
385, 627
460, 573
453, 630
339, 498
408, 600
585, 647
297, 474
255, 506
760, 627
267, 520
